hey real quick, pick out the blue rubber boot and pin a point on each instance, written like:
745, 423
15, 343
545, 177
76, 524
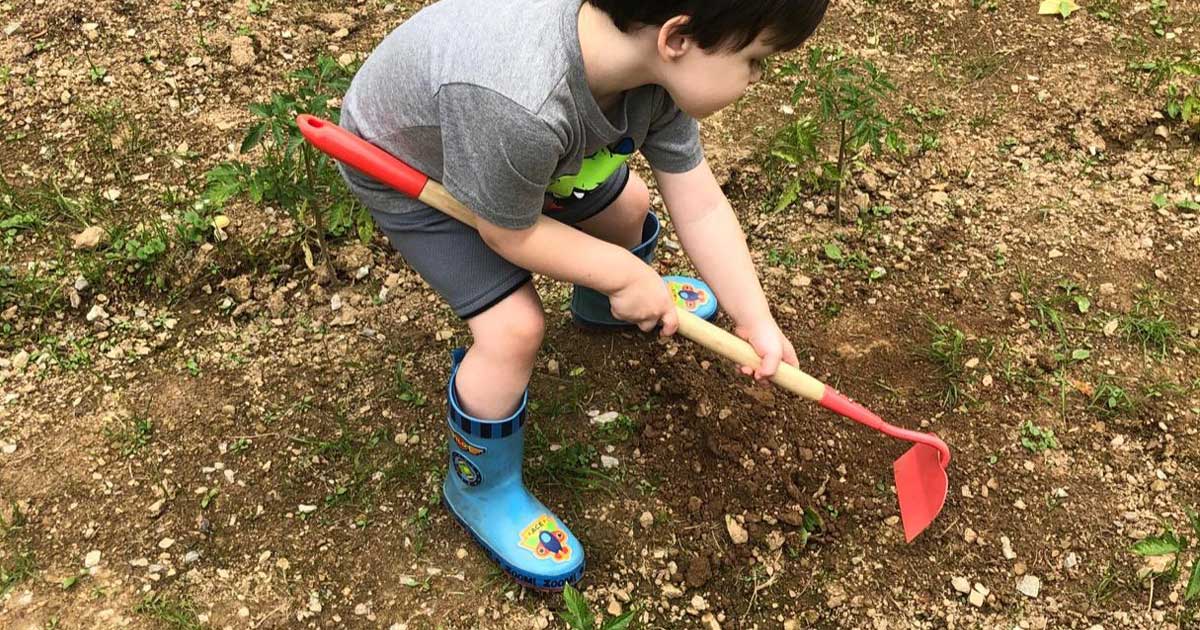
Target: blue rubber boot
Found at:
485, 493
591, 308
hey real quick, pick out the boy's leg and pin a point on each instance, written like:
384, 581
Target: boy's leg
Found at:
495, 372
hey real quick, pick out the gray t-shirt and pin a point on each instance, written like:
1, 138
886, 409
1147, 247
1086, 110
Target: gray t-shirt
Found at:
491, 99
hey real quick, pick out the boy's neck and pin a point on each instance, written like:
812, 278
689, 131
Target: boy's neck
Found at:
614, 62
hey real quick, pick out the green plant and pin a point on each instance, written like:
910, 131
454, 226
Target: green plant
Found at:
578, 616
130, 434
1111, 399
178, 613
947, 348
1147, 325
291, 175
16, 563
1037, 439
1169, 547
1175, 76
1159, 18
404, 390
848, 91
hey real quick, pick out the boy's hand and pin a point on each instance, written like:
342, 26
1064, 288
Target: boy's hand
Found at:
770, 344
645, 301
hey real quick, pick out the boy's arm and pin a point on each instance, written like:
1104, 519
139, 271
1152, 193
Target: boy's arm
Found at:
637, 293
712, 237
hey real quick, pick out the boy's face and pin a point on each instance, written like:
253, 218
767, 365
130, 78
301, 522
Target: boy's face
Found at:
703, 82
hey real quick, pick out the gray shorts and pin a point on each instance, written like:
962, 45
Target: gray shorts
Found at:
452, 257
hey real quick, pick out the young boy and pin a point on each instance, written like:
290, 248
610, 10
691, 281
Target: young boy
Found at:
526, 107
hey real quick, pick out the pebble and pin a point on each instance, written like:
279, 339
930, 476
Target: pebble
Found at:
608, 461
970, 536
699, 603
646, 520
1006, 546
306, 509
166, 543
1071, 561
20, 360
961, 584
460, 553
91, 559
1029, 586
737, 533
614, 607
604, 418
670, 591
97, 312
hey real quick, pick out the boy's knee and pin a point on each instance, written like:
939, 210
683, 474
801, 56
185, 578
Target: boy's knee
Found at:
521, 333
635, 199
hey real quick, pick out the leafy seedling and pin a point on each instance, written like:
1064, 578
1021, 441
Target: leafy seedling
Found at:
1163, 554
1037, 439
578, 616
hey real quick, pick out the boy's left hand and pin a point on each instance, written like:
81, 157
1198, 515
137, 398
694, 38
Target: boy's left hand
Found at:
770, 344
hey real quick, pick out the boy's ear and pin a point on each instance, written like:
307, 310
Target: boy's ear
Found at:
672, 43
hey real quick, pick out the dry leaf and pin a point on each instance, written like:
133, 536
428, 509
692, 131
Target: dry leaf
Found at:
1058, 7
90, 238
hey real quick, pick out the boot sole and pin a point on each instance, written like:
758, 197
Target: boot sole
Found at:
577, 575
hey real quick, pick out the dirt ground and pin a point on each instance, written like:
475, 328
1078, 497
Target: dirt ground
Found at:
257, 448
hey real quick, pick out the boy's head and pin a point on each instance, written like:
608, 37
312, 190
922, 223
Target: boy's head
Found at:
712, 50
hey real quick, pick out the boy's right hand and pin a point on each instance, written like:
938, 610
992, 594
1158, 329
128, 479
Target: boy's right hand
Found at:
645, 301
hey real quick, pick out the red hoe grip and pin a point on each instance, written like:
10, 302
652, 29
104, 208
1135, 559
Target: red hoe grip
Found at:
348, 148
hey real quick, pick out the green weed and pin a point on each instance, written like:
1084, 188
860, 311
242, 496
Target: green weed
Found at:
578, 616
129, 435
1111, 400
405, 391
1037, 439
1147, 325
1167, 545
178, 613
947, 350
17, 563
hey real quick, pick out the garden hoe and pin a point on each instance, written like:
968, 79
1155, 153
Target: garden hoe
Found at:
920, 473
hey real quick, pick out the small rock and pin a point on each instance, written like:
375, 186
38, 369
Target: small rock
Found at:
1006, 547
976, 598
614, 607
670, 591
166, 543
737, 533
646, 520
96, 312
608, 461
1111, 327
90, 238
961, 584
20, 360
801, 280
970, 536
605, 418
306, 509
91, 559
699, 603
1029, 586
1071, 561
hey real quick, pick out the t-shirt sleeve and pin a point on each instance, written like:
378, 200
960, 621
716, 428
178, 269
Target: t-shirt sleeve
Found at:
673, 140
498, 157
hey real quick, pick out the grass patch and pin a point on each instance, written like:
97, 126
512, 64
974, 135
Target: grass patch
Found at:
573, 466
177, 613
17, 563
947, 350
130, 435
1111, 400
1147, 326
